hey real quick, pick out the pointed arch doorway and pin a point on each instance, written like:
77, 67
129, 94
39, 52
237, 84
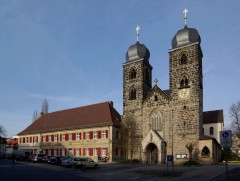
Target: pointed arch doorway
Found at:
153, 149
152, 154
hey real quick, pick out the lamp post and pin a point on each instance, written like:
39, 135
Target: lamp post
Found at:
172, 144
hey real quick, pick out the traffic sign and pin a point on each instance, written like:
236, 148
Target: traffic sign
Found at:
226, 138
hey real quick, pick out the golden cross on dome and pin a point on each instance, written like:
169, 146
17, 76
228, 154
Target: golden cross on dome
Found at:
185, 11
138, 30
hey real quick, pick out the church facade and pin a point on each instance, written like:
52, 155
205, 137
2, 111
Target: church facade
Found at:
167, 122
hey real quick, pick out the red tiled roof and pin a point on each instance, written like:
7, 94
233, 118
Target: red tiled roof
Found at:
12, 141
102, 114
213, 117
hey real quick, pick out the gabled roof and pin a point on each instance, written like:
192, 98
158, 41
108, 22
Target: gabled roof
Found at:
102, 114
164, 93
215, 116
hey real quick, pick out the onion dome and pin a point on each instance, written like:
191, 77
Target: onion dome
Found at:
185, 37
136, 52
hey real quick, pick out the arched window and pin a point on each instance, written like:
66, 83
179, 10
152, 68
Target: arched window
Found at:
156, 121
132, 94
183, 59
133, 74
211, 131
205, 151
184, 82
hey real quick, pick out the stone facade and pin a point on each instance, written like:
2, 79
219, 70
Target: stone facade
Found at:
165, 120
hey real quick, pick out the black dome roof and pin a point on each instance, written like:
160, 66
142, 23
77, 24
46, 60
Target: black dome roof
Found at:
137, 51
185, 36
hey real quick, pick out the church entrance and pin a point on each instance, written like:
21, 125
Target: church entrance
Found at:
152, 154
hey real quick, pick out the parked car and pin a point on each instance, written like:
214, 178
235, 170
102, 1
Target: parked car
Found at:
85, 163
68, 162
38, 157
61, 159
54, 160
29, 159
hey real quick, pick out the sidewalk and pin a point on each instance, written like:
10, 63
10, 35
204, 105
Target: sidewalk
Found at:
181, 173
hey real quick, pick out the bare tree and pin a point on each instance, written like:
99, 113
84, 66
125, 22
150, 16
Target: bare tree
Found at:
35, 116
190, 146
3, 131
235, 114
45, 106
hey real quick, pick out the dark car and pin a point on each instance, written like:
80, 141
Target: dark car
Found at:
54, 160
38, 157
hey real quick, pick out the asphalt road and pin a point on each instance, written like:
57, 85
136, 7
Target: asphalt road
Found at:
44, 172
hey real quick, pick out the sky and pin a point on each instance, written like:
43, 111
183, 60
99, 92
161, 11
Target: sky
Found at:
71, 52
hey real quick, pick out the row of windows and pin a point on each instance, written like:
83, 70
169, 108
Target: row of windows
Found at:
76, 152
66, 137
133, 74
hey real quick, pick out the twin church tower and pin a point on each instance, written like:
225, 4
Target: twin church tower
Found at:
164, 121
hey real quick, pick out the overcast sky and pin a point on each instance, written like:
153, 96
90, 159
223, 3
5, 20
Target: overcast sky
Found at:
71, 52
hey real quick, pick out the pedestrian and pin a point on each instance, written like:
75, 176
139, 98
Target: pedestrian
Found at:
13, 158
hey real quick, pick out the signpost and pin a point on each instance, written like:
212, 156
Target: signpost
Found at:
226, 142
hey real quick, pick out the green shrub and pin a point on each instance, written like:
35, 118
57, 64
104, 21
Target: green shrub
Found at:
191, 162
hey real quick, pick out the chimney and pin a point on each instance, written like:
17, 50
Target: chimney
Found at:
41, 114
111, 103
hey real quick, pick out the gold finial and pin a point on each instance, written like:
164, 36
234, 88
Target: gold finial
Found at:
185, 11
138, 30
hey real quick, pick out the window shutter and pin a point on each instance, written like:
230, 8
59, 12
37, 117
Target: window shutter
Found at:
99, 151
91, 151
66, 136
106, 133
74, 152
84, 151
107, 151
84, 134
60, 137
99, 134
46, 138
74, 136
52, 137
91, 135
80, 135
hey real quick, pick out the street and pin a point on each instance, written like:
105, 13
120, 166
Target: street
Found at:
42, 171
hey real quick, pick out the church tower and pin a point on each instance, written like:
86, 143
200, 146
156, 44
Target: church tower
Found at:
186, 88
137, 82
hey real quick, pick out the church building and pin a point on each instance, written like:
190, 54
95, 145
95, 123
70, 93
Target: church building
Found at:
167, 122
159, 124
